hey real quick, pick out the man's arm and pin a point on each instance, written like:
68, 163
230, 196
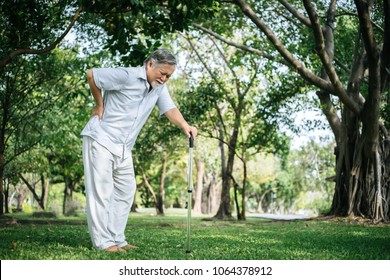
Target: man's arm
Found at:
175, 117
97, 95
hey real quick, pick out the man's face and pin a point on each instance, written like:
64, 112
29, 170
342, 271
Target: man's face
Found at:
158, 74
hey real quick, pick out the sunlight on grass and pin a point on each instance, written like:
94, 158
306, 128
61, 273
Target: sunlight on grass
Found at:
359, 233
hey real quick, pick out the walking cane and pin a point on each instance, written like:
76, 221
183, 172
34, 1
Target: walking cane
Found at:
189, 190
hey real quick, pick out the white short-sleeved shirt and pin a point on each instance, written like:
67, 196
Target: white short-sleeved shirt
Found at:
127, 105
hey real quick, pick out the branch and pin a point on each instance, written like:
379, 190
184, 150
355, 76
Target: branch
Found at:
366, 29
371, 106
21, 151
31, 188
345, 13
11, 55
329, 111
341, 65
356, 75
148, 186
201, 60
224, 59
295, 13
212, 76
240, 46
236, 80
251, 81
326, 61
385, 65
221, 118
295, 63
327, 106
227, 145
381, 124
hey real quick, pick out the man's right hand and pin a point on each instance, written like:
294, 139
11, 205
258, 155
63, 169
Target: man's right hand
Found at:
98, 111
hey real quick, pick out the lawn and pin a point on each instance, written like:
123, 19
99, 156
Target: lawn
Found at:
164, 238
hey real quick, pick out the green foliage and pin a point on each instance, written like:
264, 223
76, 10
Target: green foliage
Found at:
31, 23
28, 91
27, 208
199, 103
301, 181
311, 168
134, 28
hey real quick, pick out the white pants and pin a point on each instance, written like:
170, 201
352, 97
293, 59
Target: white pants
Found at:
110, 188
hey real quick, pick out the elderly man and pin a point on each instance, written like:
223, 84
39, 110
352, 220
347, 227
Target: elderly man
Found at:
124, 98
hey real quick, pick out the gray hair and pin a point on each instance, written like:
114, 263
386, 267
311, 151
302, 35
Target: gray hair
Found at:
161, 56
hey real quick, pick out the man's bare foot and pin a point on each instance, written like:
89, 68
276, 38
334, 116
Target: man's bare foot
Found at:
128, 247
115, 249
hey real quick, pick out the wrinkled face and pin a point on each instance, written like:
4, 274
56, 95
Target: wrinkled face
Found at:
158, 74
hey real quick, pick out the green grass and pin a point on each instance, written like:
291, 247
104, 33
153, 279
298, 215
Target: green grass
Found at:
163, 238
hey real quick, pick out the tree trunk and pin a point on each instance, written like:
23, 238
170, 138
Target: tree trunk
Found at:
215, 196
358, 189
20, 199
199, 185
212, 199
206, 193
6, 195
68, 197
224, 211
242, 215
224, 206
236, 190
134, 206
243, 193
161, 194
361, 188
45, 191
1, 184
149, 187
20, 193
261, 199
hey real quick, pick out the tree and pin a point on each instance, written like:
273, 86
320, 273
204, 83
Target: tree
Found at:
232, 85
27, 94
37, 118
25, 174
360, 84
61, 143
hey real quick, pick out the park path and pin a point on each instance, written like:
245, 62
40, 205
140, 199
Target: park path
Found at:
286, 217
